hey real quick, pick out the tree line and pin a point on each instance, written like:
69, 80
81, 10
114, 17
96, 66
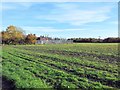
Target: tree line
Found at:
15, 35
94, 40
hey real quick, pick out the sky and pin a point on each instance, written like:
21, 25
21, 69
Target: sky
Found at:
62, 19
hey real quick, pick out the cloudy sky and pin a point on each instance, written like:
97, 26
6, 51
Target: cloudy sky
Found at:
63, 19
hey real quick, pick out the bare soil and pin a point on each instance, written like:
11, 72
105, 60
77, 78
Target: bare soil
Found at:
7, 84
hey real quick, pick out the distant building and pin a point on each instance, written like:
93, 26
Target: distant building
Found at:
42, 40
48, 40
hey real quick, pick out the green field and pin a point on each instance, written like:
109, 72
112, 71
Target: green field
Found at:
92, 66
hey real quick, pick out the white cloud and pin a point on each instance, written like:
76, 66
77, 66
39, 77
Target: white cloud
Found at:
47, 29
13, 6
78, 32
72, 14
6, 7
25, 4
60, 0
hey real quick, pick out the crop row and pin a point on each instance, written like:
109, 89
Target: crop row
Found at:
103, 77
97, 48
58, 76
100, 57
22, 78
55, 67
80, 62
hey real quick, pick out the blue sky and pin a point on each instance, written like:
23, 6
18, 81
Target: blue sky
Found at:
63, 19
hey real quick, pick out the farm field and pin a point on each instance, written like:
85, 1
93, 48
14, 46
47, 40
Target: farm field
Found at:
92, 66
